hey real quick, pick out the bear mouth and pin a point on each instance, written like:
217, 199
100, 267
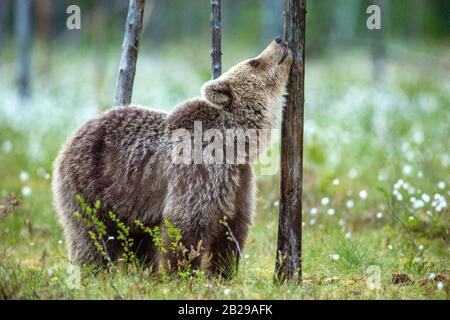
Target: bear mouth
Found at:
285, 54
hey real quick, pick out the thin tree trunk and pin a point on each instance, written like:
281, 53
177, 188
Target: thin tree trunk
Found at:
379, 44
216, 48
289, 249
130, 47
23, 33
44, 34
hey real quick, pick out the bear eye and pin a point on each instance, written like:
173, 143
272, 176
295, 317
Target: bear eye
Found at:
254, 63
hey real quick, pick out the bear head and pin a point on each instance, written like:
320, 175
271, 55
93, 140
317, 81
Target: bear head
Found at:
253, 85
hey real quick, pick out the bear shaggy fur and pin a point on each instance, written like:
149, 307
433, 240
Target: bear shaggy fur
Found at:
123, 159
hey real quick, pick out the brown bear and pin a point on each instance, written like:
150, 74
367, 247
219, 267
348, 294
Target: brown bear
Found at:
124, 159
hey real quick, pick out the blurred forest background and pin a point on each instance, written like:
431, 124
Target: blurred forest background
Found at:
377, 153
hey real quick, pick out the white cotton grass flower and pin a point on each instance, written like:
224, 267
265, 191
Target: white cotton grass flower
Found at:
348, 235
26, 191
276, 203
7, 146
390, 247
445, 160
246, 257
363, 194
417, 260
341, 222
425, 197
331, 212
421, 247
379, 215
60, 242
334, 257
325, 201
407, 170
382, 175
439, 202
411, 218
24, 176
431, 276
350, 204
417, 204
312, 222
313, 211
441, 185
419, 174
440, 285
353, 173
226, 291
336, 182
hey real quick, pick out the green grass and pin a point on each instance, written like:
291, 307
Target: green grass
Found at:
367, 139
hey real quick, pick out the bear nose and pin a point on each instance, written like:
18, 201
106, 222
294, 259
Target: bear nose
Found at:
280, 41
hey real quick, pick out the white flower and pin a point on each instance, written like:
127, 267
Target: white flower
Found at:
431, 276
390, 247
417, 259
407, 170
440, 285
425, 197
353, 173
348, 235
341, 222
276, 203
336, 182
60, 241
379, 215
418, 204
226, 291
312, 222
334, 257
441, 185
325, 201
363, 194
421, 247
419, 174
313, 211
445, 160
246, 256
26, 191
411, 218
110, 238
24, 176
331, 212
350, 204
7, 146
382, 175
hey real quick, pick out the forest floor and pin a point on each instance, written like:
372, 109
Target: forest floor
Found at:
377, 183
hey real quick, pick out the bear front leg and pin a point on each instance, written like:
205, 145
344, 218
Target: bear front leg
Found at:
183, 247
226, 246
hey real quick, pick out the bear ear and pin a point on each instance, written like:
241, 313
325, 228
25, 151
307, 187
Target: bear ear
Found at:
217, 92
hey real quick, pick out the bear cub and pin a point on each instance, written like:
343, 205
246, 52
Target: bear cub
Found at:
124, 159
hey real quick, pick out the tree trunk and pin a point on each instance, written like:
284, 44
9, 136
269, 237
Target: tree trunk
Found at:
289, 250
216, 48
44, 34
23, 33
130, 47
379, 44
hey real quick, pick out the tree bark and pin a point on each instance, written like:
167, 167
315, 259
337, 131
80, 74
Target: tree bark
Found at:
216, 34
23, 31
289, 250
130, 47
